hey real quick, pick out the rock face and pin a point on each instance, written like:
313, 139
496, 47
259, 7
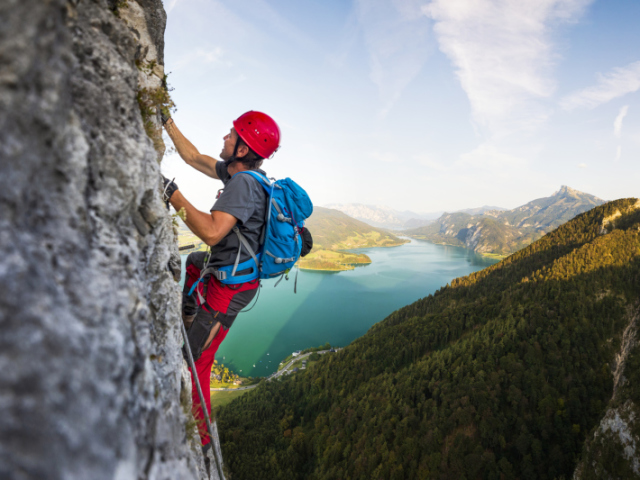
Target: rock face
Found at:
611, 450
89, 346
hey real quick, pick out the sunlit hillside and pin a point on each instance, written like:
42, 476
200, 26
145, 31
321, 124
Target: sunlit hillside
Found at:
333, 232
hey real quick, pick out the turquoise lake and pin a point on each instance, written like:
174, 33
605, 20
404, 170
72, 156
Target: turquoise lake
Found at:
338, 307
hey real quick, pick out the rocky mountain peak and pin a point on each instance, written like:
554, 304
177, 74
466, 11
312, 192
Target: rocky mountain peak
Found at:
566, 191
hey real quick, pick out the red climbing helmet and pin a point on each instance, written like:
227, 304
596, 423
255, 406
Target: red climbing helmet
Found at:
259, 131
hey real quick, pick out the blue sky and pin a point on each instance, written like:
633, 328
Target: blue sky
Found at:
416, 105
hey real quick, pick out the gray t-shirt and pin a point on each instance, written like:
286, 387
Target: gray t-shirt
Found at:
244, 198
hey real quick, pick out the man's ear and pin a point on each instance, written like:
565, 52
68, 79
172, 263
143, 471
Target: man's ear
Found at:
243, 150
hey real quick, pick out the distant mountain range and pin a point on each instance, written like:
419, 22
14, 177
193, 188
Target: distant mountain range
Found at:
485, 229
503, 232
481, 210
385, 217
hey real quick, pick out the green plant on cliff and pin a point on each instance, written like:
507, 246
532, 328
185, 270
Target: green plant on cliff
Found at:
148, 67
181, 214
118, 5
151, 102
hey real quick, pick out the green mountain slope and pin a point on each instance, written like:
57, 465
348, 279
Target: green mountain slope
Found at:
505, 232
334, 230
503, 374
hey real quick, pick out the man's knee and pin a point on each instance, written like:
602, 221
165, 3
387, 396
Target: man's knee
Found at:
196, 259
199, 331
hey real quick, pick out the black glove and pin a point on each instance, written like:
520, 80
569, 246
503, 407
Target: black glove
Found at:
169, 187
164, 118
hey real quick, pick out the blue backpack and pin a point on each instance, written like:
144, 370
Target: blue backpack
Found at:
280, 242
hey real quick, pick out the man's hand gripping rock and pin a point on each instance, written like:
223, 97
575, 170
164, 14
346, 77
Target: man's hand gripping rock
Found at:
169, 187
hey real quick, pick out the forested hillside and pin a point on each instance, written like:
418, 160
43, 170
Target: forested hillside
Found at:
504, 232
503, 374
333, 231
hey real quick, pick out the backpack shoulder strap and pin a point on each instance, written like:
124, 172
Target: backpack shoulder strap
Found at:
264, 181
243, 242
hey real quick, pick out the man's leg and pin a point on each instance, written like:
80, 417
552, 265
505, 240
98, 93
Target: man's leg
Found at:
209, 329
203, 368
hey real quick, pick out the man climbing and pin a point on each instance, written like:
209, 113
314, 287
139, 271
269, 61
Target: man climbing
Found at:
210, 308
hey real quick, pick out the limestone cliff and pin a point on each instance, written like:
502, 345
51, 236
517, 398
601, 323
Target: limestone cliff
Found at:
92, 374
612, 449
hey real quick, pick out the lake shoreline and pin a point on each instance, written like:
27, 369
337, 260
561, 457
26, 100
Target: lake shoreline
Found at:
350, 251
338, 308
353, 265
498, 256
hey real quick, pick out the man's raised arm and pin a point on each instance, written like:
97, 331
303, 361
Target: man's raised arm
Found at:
189, 152
210, 228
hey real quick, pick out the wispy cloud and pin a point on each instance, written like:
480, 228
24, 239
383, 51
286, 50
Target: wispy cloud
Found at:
503, 55
269, 19
255, 27
396, 34
211, 55
169, 4
582, 165
488, 156
617, 128
620, 81
617, 124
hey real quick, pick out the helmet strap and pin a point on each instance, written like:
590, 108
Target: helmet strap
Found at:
233, 157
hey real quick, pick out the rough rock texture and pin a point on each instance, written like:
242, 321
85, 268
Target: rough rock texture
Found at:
613, 449
89, 341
